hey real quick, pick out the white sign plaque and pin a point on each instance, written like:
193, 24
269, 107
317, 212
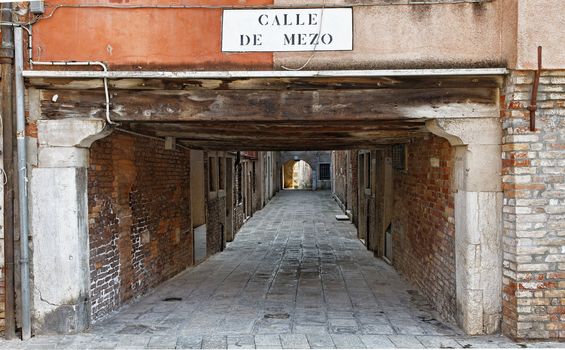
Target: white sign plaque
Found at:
316, 29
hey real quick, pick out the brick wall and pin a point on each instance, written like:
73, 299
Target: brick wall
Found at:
423, 222
139, 218
216, 220
238, 218
534, 208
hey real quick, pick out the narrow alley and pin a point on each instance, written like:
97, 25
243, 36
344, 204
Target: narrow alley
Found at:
294, 277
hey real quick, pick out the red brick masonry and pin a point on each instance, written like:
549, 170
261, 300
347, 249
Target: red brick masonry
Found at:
139, 218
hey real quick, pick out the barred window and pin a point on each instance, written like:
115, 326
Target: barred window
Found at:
325, 171
399, 157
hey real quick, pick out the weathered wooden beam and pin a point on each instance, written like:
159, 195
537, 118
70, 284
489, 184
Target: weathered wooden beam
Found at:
271, 136
291, 146
302, 83
307, 137
276, 128
268, 105
292, 142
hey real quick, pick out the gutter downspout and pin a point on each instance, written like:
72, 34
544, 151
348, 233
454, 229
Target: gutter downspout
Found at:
22, 183
8, 143
533, 107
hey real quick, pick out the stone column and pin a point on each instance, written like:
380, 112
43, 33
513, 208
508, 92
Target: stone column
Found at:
478, 219
59, 225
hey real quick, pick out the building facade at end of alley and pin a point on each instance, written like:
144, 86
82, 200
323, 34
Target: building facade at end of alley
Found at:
137, 139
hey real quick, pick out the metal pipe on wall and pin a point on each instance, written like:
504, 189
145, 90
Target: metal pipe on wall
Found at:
57, 74
8, 140
80, 63
22, 182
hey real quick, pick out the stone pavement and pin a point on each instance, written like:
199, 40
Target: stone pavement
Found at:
294, 277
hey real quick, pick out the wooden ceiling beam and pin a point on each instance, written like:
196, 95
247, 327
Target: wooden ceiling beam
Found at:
284, 137
297, 83
292, 144
274, 106
247, 128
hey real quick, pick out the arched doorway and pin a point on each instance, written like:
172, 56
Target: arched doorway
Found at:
297, 175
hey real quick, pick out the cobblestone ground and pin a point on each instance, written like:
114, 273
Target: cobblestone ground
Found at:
294, 277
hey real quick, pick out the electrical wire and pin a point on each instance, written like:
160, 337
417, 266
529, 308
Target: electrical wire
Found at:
315, 45
125, 131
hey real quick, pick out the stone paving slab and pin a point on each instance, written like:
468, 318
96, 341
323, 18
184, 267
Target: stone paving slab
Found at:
294, 277
347, 341
406, 341
214, 342
439, 342
241, 342
162, 342
189, 342
268, 341
294, 341
320, 341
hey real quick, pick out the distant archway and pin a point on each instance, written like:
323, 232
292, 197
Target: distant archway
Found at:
297, 174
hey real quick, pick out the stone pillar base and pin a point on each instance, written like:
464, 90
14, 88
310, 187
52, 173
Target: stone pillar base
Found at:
59, 225
478, 220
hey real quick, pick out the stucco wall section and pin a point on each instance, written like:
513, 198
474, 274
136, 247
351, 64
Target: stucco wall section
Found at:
142, 38
387, 34
541, 23
413, 36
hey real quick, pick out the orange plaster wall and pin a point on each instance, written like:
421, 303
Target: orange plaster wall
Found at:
147, 39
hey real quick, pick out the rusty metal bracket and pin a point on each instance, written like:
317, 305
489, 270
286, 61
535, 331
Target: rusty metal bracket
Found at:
533, 104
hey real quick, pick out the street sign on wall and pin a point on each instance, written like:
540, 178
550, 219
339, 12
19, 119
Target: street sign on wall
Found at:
328, 29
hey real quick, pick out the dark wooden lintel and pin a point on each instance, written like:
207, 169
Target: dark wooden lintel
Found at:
297, 83
269, 106
292, 146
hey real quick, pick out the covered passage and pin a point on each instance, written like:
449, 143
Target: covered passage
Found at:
197, 160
